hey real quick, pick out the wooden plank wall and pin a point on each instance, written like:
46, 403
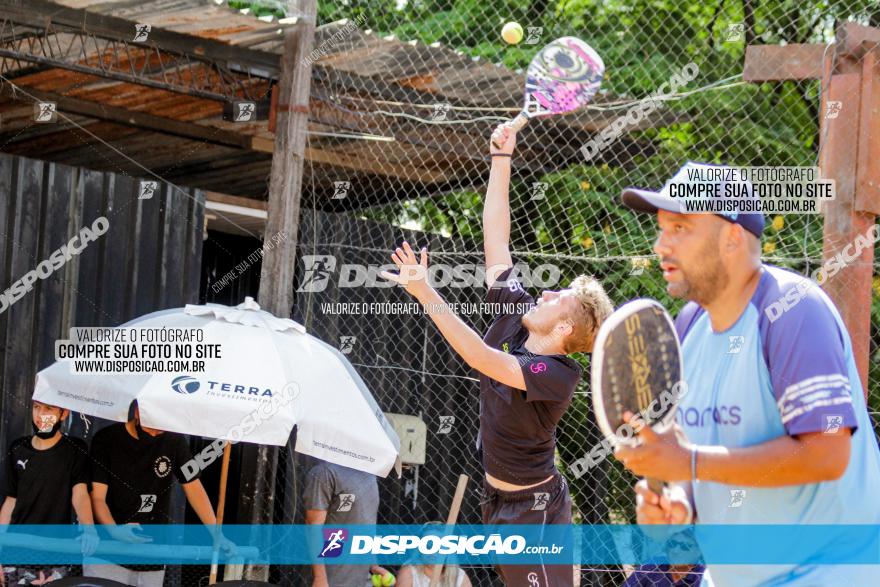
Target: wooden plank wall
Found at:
148, 260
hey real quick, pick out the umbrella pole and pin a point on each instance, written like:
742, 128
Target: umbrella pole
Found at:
221, 506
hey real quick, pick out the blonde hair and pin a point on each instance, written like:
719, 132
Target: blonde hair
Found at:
448, 576
593, 307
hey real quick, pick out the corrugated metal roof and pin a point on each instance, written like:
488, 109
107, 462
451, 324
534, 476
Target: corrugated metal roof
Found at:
362, 84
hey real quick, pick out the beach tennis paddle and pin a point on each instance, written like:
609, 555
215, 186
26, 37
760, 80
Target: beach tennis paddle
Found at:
636, 368
562, 77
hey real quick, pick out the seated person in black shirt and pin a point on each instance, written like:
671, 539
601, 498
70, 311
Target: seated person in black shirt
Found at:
45, 481
133, 469
527, 379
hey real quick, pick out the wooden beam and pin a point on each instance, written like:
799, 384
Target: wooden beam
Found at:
262, 145
849, 154
374, 166
37, 13
776, 63
851, 286
851, 36
235, 201
217, 136
361, 165
132, 118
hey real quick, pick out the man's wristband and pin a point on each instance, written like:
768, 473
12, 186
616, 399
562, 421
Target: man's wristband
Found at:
502, 154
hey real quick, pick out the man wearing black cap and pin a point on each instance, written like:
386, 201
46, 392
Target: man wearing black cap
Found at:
775, 422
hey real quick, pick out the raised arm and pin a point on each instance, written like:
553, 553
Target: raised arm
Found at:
498, 365
496, 210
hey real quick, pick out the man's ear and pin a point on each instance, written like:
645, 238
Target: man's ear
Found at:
733, 237
64, 413
564, 327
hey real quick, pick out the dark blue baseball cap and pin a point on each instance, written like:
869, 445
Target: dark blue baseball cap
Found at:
713, 178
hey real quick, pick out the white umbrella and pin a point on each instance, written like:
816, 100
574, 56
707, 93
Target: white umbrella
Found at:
271, 375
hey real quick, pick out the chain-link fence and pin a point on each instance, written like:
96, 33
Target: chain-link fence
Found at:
404, 96
567, 179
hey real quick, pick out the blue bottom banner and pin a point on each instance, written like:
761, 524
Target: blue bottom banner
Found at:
460, 544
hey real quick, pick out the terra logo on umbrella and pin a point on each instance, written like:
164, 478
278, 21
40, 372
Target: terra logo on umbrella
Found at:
185, 384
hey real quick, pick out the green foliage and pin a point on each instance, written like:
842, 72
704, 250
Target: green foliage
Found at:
276, 8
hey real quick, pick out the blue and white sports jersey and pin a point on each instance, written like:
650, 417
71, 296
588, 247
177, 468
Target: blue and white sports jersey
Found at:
777, 372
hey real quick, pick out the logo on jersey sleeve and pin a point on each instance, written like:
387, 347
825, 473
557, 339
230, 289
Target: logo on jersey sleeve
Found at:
539, 367
346, 501
833, 423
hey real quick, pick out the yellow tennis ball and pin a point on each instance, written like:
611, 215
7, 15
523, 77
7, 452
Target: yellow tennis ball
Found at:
376, 580
388, 580
512, 33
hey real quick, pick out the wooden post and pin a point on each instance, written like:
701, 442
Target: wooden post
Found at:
291, 125
276, 278
849, 154
844, 140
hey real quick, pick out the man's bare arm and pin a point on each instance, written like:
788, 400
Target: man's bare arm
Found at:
199, 502
783, 461
6, 510
100, 509
317, 517
82, 504
496, 209
492, 363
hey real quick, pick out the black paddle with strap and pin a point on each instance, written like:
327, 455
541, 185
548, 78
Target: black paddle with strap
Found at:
636, 368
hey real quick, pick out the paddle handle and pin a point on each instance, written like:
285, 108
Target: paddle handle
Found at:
516, 124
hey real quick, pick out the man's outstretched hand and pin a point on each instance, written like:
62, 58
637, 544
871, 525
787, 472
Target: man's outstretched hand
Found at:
412, 272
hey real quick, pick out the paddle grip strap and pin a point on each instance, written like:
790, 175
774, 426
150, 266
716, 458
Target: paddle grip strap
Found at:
519, 122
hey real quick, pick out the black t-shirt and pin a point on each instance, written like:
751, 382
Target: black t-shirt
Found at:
139, 473
518, 428
41, 481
